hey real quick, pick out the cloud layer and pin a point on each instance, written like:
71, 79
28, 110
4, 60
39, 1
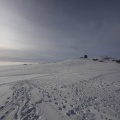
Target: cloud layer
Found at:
58, 29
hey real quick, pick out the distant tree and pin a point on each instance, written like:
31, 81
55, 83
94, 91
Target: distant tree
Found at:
106, 58
117, 61
85, 56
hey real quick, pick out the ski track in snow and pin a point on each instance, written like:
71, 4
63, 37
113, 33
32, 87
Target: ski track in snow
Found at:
53, 97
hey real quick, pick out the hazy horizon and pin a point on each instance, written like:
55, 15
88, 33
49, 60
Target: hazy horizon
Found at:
55, 30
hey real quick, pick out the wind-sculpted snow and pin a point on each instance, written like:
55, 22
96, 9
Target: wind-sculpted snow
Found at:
70, 90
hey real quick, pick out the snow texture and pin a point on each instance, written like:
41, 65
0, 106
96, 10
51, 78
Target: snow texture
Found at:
77, 89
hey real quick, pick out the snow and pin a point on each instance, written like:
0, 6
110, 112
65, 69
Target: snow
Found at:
76, 89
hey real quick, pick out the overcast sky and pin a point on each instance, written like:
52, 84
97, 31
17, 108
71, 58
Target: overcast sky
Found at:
38, 30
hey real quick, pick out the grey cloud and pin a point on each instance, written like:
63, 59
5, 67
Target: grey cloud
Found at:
58, 29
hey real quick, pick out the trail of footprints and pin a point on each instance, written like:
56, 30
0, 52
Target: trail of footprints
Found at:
78, 101
20, 104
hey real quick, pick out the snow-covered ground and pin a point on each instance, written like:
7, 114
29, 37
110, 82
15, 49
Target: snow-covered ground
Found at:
77, 89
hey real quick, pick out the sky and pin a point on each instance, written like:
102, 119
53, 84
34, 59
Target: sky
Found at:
54, 30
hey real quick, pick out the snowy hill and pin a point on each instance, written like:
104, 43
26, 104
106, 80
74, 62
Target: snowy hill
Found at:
76, 89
